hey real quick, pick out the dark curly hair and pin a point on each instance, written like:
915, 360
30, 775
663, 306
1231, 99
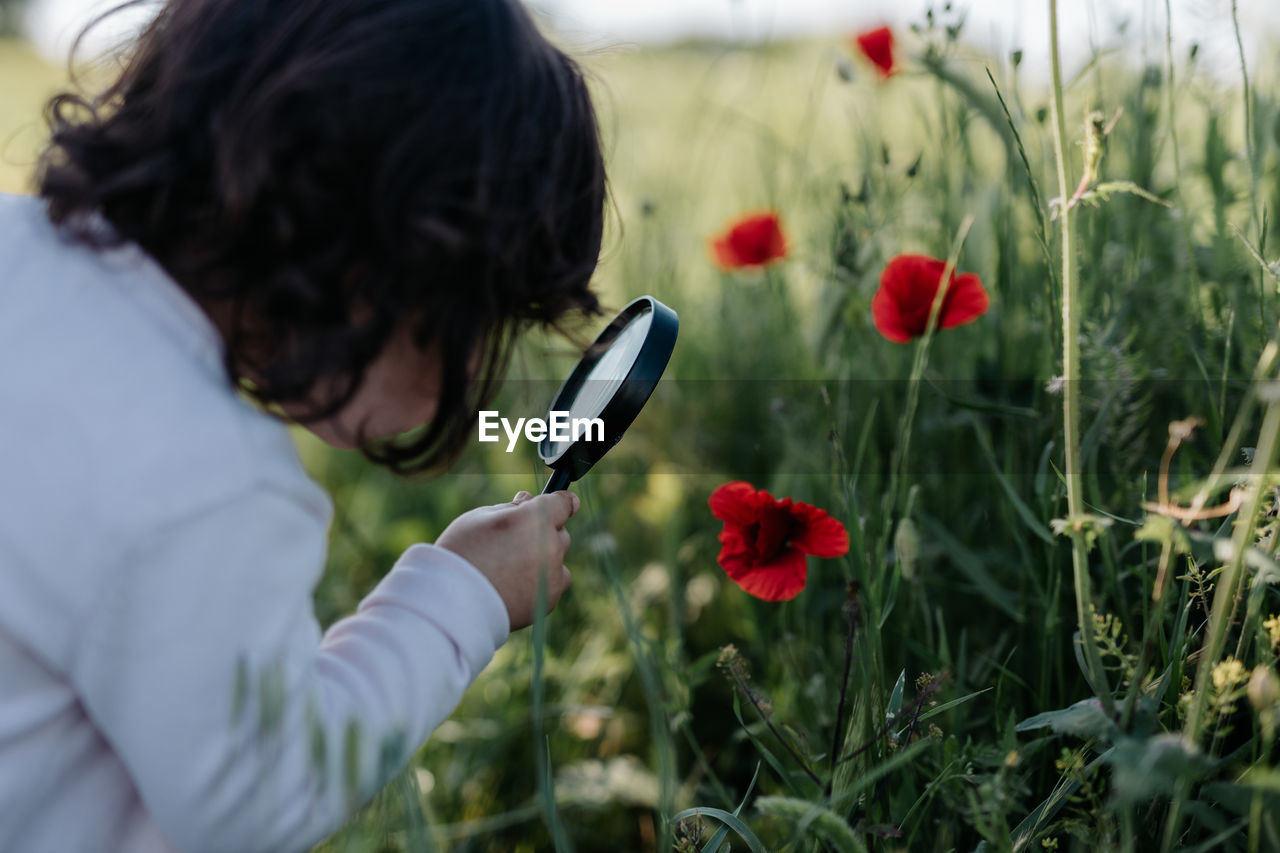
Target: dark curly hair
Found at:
329, 170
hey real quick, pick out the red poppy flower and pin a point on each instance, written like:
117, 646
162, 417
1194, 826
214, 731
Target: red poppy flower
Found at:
908, 286
764, 540
752, 240
877, 46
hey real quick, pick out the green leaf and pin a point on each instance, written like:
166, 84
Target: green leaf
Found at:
895, 698
1159, 529
947, 706
1106, 189
875, 774
1084, 719
1030, 826
1143, 768
730, 820
713, 846
891, 596
1268, 570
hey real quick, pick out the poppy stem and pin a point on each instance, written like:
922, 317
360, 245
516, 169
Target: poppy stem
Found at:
1094, 672
837, 739
900, 485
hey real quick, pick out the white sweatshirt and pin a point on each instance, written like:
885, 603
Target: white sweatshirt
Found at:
163, 681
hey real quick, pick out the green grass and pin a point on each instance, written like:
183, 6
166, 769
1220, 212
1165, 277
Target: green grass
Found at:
966, 605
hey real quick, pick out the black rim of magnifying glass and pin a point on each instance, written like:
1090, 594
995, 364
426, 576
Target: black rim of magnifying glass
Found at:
626, 402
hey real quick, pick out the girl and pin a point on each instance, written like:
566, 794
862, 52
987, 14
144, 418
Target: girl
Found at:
344, 210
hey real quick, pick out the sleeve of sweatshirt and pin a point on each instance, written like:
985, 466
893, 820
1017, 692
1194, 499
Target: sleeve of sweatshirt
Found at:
243, 727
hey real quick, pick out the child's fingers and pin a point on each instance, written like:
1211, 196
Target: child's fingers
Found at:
558, 506
521, 497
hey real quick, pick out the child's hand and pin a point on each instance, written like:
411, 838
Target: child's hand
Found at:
512, 544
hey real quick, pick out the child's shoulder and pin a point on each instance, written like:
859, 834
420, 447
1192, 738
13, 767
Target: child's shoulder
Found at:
123, 442
111, 367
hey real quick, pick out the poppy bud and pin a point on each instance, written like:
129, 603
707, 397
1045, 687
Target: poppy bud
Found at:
844, 69
906, 544
1264, 689
1264, 695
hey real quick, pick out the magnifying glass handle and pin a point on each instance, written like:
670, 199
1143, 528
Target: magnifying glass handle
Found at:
558, 482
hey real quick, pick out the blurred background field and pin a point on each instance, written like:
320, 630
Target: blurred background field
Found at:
27, 80
592, 730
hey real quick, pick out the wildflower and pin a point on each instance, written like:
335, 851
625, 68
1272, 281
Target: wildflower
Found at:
1273, 631
1069, 763
733, 663
765, 540
738, 671
751, 240
908, 286
1228, 674
877, 46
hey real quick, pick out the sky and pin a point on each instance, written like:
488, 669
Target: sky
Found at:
996, 25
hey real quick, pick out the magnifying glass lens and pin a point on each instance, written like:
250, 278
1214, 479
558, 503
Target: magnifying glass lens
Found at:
607, 389
608, 374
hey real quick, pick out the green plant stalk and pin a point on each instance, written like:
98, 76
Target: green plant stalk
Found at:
1248, 110
650, 681
1225, 590
1154, 620
1042, 228
897, 500
1250, 152
1249, 625
1071, 390
1224, 597
837, 744
918, 366
542, 743
1183, 214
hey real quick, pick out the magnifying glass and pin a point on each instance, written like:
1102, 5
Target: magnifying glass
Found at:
607, 389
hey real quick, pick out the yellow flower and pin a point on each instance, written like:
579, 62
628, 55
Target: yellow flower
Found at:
1229, 674
1273, 631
